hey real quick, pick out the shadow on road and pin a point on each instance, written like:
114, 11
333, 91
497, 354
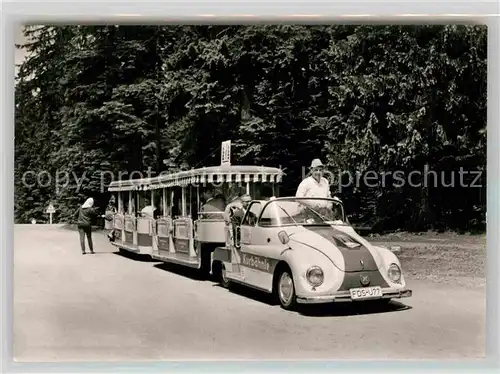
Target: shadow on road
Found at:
250, 293
99, 253
352, 309
322, 310
183, 271
134, 256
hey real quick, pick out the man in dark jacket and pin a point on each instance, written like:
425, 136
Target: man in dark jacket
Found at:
86, 214
213, 203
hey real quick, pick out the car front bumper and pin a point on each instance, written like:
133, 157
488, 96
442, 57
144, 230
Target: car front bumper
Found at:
345, 296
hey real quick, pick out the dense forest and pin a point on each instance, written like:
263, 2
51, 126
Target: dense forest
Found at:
364, 99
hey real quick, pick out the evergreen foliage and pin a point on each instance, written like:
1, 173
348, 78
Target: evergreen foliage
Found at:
91, 99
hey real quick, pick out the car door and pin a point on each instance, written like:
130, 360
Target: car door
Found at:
242, 237
255, 265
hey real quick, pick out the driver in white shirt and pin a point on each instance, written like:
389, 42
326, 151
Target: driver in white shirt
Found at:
315, 185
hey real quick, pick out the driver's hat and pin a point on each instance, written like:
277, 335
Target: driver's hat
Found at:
316, 163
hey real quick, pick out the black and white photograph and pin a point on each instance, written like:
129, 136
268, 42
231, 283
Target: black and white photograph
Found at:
249, 192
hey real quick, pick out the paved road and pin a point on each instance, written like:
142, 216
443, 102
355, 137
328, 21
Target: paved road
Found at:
104, 307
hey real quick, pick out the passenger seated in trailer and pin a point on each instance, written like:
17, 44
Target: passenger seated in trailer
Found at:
147, 211
150, 211
220, 197
159, 210
214, 202
176, 210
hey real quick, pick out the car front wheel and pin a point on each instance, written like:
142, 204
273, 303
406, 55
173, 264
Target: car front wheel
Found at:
285, 289
219, 274
226, 283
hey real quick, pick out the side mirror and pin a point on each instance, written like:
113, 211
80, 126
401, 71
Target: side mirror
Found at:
283, 237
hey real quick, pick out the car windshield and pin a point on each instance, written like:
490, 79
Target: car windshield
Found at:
300, 211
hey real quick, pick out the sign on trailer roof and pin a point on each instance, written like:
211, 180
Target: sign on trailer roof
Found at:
225, 157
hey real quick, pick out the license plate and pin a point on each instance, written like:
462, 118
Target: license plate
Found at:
366, 293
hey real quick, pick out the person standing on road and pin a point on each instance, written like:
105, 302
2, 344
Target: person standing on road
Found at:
86, 213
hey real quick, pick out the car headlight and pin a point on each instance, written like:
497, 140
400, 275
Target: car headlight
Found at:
315, 276
394, 273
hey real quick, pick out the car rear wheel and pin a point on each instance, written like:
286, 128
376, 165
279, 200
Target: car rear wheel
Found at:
285, 290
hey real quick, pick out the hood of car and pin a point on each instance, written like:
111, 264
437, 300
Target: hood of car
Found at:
347, 252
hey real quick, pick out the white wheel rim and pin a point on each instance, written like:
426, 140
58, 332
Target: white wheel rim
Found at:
286, 288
